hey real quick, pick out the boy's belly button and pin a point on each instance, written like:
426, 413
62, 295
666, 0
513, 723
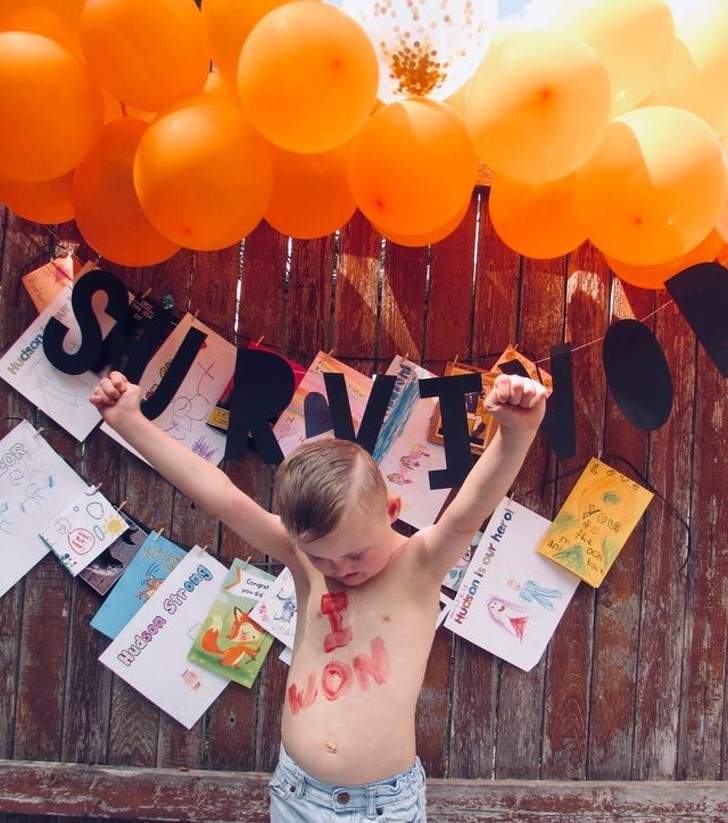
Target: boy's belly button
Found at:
331, 747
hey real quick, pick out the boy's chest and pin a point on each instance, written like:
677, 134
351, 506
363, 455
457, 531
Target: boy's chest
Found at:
362, 624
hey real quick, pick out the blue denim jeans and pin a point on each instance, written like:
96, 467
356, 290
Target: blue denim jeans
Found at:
298, 798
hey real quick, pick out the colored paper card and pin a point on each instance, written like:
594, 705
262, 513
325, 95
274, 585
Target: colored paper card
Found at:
403, 452
185, 417
36, 483
308, 415
150, 652
511, 598
63, 397
229, 642
146, 572
44, 283
83, 530
103, 572
594, 522
277, 609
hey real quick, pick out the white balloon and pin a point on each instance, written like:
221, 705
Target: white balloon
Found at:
425, 48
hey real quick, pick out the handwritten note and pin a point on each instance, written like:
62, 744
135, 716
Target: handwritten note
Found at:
595, 521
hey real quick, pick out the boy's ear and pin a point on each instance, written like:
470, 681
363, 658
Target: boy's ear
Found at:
394, 507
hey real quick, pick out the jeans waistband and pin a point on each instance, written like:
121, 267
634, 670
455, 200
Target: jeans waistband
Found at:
366, 797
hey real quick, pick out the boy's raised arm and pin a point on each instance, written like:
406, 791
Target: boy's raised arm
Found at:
518, 404
118, 401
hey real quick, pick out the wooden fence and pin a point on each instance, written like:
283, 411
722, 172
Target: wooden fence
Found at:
630, 700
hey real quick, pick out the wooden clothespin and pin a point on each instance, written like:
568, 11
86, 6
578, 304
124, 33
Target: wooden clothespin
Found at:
158, 534
120, 506
145, 293
260, 340
39, 431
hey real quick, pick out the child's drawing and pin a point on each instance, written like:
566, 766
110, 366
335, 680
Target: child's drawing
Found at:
511, 617
36, 484
83, 530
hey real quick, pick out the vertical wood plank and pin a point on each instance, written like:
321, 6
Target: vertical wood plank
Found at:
617, 617
476, 673
568, 675
448, 332
704, 706
664, 579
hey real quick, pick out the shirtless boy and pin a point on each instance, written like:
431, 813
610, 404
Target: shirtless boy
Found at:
367, 597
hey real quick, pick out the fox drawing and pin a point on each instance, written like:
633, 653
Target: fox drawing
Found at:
244, 639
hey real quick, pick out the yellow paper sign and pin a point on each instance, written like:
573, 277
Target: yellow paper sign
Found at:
594, 522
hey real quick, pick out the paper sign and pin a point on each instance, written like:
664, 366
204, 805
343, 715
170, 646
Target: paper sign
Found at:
83, 530
511, 598
402, 450
150, 653
63, 397
35, 484
229, 642
595, 521
148, 569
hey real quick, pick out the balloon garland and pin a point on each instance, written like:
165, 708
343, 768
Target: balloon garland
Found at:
604, 120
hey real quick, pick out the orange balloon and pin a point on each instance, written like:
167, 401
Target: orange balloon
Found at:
57, 19
696, 76
146, 55
634, 38
655, 187
427, 238
47, 201
311, 196
307, 76
537, 105
412, 167
228, 23
653, 277
203, 174
51, 112
536, 220
108, 213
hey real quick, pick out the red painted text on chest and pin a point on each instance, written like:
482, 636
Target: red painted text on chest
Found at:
338, 676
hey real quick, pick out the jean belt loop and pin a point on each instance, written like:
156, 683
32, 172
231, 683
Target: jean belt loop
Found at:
371, 802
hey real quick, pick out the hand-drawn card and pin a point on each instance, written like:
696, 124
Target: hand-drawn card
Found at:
511, 598
146, 572
308, 415
36, 484
402, 450
150, 652
229, 642
107, 568
277, 609
63, 397
83, 530
185, 418
595, 521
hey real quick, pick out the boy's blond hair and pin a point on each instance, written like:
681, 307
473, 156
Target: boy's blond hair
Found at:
320, 481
